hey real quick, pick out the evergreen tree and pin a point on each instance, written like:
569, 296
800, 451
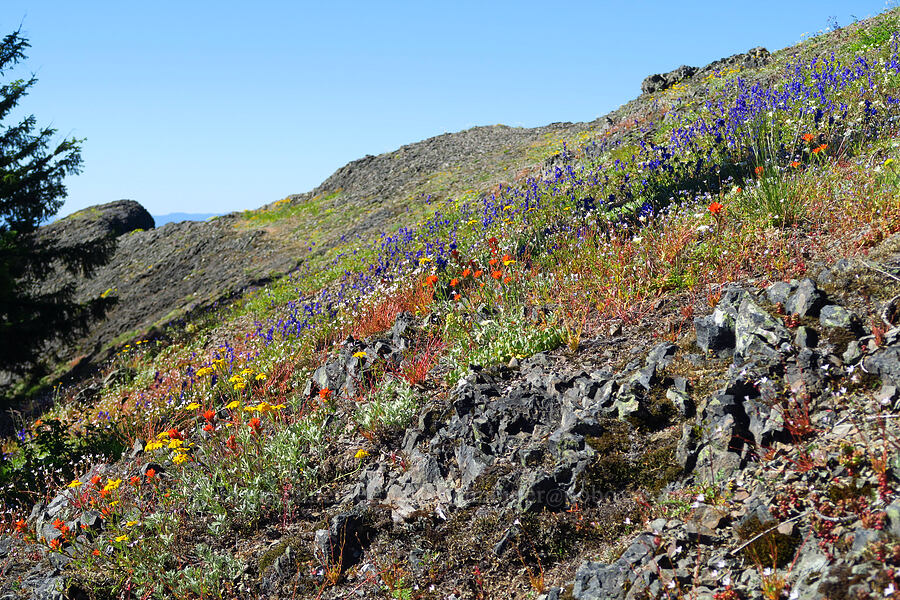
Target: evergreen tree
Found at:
32, 168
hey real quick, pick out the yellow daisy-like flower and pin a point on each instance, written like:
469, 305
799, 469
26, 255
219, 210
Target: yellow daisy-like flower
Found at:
232, 405
204, 371
235, 379
75, 483
246, 372
251, 408
113, 503
361, 453
219, 361
263, 407
279, 406
240, 385
424, 260
261, 377
173, 444
179, 458
359, 354
506, 263
162, 435
112, 484
151, 446
131, 523
122, 538
192, 406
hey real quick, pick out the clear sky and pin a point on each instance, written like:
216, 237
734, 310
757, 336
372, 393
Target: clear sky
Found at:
213, 106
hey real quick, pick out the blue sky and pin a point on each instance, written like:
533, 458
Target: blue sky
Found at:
202, 106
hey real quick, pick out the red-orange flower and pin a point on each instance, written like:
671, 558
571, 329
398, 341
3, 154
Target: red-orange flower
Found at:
456, 296
507, 279
174, 434
21, 525
255, 424
431, 280
478, 274
208, 428
808, 137
58, 523
716, 207
135, 480
454, 282
324, 393
151, 473
231, 442
55, 544
466, 272
820, 148
759, 171
95, 552
96, 480
795, 164
496, 274
209, 415
493, 262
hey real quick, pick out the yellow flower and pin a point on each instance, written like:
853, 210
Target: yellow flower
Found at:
508, 207
112, 484
889, 162
113, 503
75, 483
424, 260
361, 453
179, 458
359, 354
235, 379
506, 263
122, 538
261, 377
240, 385
232, 405
151, 446
263, 407
175, 444
131, 523
279, 406
204, 371
251, 408
246, 372
162, 435
192, 406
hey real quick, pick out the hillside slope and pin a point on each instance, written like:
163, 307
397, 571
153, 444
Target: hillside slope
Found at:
663, 364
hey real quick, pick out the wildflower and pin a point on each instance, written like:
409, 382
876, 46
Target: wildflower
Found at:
759, 171
496, 274
820, 148
55, 544
466, 272
21, 525
715, 208
279, 406
235, 379
208, 428
424, 260
95, 480
240, 385
174, 434
456, 297
325, 393
179, 458
131, 523
58, 523
507, 260
175, 444
454, 282
112, 484
478, 274
231, 442
263, 407
150, 474
889, 162
134, 480
246, 372
122, 538
261, 377
232, 405
431, 280
795, 164
507, 279
808, 137
209, 415
75, 483
493, 262
360, 354
151, 446
95, 552
361, 453
255, 424
204, 371
162, 435
192, 406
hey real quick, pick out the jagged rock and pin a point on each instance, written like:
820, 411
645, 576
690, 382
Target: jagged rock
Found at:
780, 291
663, 81
807, 300
757, 333
833, 315
806, 337
341, 545
886, 364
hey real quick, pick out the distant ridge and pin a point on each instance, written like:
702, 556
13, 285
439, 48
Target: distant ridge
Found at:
176, 217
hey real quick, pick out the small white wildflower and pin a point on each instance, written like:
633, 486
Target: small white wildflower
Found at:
701, 498
720, 564
767, 572
726, 581
794, 595
889, 590
671, 584
627, 520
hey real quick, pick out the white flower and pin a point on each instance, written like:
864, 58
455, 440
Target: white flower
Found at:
671, 584
720, 564
726, 581
701, 498
767, 572
627, 520
889, 590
